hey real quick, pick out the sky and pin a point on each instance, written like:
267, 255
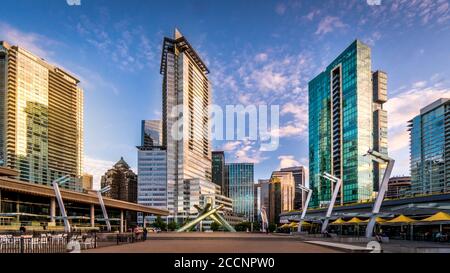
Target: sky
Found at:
258, 52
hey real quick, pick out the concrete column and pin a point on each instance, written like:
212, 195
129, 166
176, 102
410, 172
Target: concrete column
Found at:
92, 215
0, 201
121, 221
52, 210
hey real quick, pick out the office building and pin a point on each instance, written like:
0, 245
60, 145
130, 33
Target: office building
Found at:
151, 133
261, 195
345, 105
281, 195
218, 170
123, 182
430, 149
185, 120
152, 170
41, 119
240, 178
87, 182
299, 174
399, 187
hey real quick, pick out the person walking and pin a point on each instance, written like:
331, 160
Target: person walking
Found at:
145, 233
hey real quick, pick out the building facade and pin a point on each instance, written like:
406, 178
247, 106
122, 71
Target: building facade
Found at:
240, 178
430, 149
299, 174
185, 120
281, 195
88, 182
261, 195
343, 101
151, 133
123, 182
399, 187
218, 170
41, 119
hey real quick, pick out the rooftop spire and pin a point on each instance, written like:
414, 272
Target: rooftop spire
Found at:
177, 34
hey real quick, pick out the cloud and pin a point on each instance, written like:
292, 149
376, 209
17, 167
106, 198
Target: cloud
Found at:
261, 57
329, 24
244, 151
97, 168
287, 161
280, 9
403, 108
35, 43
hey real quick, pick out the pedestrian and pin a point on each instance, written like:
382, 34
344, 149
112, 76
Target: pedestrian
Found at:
22, 229
145, 233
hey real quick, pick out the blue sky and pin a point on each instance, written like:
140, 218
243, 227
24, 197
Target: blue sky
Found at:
259, 52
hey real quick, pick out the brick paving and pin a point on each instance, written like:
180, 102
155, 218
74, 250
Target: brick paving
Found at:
215, 243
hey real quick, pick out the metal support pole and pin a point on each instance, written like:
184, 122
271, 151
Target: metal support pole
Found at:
92, 215
61, 203
121, 221
52, 210
105, 213
382, 191
333, 199
305, 207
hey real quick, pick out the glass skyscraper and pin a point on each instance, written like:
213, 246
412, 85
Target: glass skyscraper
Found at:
430, 149
240, 178
218, 170
343, 101
41, 119
185, 120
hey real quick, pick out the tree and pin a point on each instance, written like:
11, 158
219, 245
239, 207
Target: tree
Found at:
159, 223
215, 226
173, 226
272, 227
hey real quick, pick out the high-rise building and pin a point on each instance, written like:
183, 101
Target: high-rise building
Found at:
345, 105
261, 195
151, 133
281, 194
185, 119
399, 187
41, 119
123, 183
152, 170
218, 170
300, 180
88, 182
240, 178
430, 149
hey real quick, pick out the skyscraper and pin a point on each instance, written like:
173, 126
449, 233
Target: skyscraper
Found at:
218, 171
152, 169
300, 180
185, 119
430, 149
345, 105
281, 195
240, 178
41, 119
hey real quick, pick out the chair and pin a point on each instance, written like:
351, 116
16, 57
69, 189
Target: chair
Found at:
88, 243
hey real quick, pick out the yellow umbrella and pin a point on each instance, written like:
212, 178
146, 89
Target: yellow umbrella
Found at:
306, 224
380, 220
438, 217
293, 225
355, 220
402, 219
338, 222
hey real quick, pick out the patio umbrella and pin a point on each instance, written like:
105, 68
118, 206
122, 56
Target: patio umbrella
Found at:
356, 221
438, 218
338, 222
401, 219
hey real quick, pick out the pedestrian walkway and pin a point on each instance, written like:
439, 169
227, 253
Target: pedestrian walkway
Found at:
343, 247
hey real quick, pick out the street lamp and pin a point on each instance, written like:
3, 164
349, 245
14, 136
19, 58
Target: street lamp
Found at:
338, 182
308, 198
55, 184
378, 157
102, 204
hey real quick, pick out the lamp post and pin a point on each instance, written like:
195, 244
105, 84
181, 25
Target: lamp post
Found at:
308, 198
55, 184
338, 181
378, 157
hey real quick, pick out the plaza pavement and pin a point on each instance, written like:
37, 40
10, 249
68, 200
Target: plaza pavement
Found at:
216, 242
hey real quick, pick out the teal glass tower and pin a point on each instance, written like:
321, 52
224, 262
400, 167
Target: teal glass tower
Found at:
346, 119
240, 179
430, 149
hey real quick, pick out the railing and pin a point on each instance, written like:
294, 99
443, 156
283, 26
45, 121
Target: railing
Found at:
40, 242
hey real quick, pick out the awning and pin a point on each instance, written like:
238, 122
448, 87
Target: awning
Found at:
402, 219
380, 220
356, 221
338, 222
438, 217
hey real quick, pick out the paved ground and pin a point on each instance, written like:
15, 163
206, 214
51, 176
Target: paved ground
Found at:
216, 243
